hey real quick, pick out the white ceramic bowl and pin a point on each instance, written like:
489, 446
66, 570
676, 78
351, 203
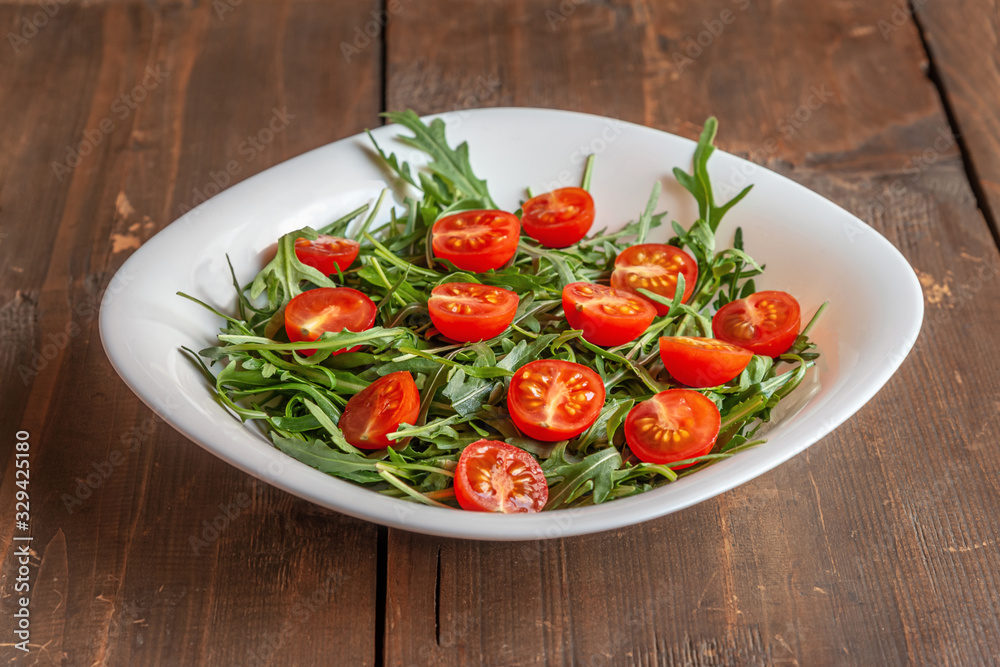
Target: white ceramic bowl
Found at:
812, 248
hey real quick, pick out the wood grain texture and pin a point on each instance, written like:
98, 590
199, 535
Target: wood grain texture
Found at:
876, 546
879, 545
963, 38
145, 545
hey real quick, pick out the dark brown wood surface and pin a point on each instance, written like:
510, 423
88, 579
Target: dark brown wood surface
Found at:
877, 546
962, 39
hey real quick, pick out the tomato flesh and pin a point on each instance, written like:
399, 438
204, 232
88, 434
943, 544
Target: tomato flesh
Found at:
702, 362
559, 218
493, 476
476, 240
552, 400
378, 410
673, 425
327, 254
310, 314
607, 316
766, 323
466, 312
655, 267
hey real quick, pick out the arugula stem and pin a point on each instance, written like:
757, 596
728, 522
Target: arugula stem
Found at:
363, 232
334, 228
388, 256
815, 318
385, 281
523, 332
384, 472
588, 172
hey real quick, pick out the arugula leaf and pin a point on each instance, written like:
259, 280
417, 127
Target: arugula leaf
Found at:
596, 468
698, 182
283, 276
451, 166
318, 455
646, 219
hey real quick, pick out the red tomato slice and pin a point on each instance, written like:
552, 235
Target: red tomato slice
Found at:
493, 476
673, 425
606, 316
766, 323
378, 410
559, 218
553, 400
312, 313
702, 362
326, 253
467, 312
476, 240
654, 266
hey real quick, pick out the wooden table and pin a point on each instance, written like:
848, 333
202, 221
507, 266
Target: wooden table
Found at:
877, 546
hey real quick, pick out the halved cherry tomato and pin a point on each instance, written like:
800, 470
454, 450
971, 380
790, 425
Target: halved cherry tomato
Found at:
493, 476
702, 362
553, 400
559, 218
606, 316
327, 253
310, 314
766, 323
378, 410
476, 240
654, 266
673, 425
467, 312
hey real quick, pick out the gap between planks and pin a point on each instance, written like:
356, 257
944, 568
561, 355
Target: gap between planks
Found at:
381, 593
934, 75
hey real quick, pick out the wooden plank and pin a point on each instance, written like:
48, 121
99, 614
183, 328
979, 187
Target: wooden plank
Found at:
148, 549
878, 545
961, 37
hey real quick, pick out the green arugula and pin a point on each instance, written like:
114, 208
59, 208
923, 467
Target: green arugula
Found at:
699, 184
299, 399
284, 275
451, 177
